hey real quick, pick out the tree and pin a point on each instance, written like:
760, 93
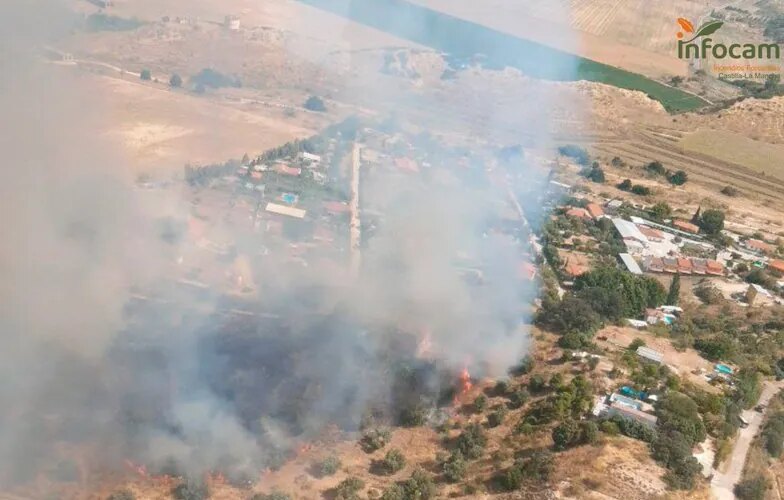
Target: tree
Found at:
615, 294
480, 403
375, 439
349, 489
595, 173
572, 314
518, 398
537, 468
661, 211
420, 486
730, 191
673, 296
747, 387
656, 168
679, 178
616, 161
315, 103
678, 412
175, 81
454, 467
145, 75
536, 384
773, 435
753, 488
711, 221
329, 466
641, 190
673, 450
580, 155
472, 441
496, 417
625, 185
565, 435
393, 461
589, 432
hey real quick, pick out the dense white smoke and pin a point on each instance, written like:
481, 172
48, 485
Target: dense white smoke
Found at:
84, 361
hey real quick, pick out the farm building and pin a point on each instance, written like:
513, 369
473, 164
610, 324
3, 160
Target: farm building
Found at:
632, 414
685, 226
286, 170
274, 208
651, 233
715, 268
634, 239
684, 265
777, 265
580, 213
594, 210
760, 246
650, 354
305, 156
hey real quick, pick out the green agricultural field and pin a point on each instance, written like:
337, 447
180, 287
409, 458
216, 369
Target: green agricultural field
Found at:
465, 43
674, 100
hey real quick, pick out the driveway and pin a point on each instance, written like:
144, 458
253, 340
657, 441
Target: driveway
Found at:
723, 483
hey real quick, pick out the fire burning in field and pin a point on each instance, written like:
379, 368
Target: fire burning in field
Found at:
464, 385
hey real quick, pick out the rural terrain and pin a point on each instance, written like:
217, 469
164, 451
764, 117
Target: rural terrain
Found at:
314, 249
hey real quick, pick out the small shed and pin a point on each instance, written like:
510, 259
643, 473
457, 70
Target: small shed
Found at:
650, 354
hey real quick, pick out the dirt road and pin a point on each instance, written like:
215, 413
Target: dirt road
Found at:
354, 206
723, 482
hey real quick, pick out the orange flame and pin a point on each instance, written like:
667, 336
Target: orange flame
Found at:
464, 385
139, 469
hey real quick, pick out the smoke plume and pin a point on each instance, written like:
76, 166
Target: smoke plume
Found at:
105, 351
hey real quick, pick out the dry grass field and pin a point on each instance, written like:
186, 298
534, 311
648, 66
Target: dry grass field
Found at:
728, 146
161, 130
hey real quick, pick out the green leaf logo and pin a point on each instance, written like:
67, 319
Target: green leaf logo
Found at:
709, 28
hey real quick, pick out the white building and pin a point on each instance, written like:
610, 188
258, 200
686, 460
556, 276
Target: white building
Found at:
635, 241
297, 213
305, 156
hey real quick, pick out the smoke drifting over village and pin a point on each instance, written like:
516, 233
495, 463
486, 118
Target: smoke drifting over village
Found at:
103, 349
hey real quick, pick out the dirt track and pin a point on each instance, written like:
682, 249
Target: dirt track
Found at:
723, 483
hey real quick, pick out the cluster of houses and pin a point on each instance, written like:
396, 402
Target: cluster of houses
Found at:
683, 265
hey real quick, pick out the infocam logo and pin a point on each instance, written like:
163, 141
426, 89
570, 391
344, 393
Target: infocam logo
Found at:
701, 46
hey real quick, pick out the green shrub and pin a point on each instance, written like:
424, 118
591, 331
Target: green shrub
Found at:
393, 462
472, 441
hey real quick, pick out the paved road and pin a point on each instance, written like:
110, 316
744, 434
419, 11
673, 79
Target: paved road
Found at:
723, 482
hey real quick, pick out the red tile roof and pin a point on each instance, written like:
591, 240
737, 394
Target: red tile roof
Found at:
714, 267
595, 210
578, 212
651, 233
686, 226
776, 264
761, 246
286, 170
